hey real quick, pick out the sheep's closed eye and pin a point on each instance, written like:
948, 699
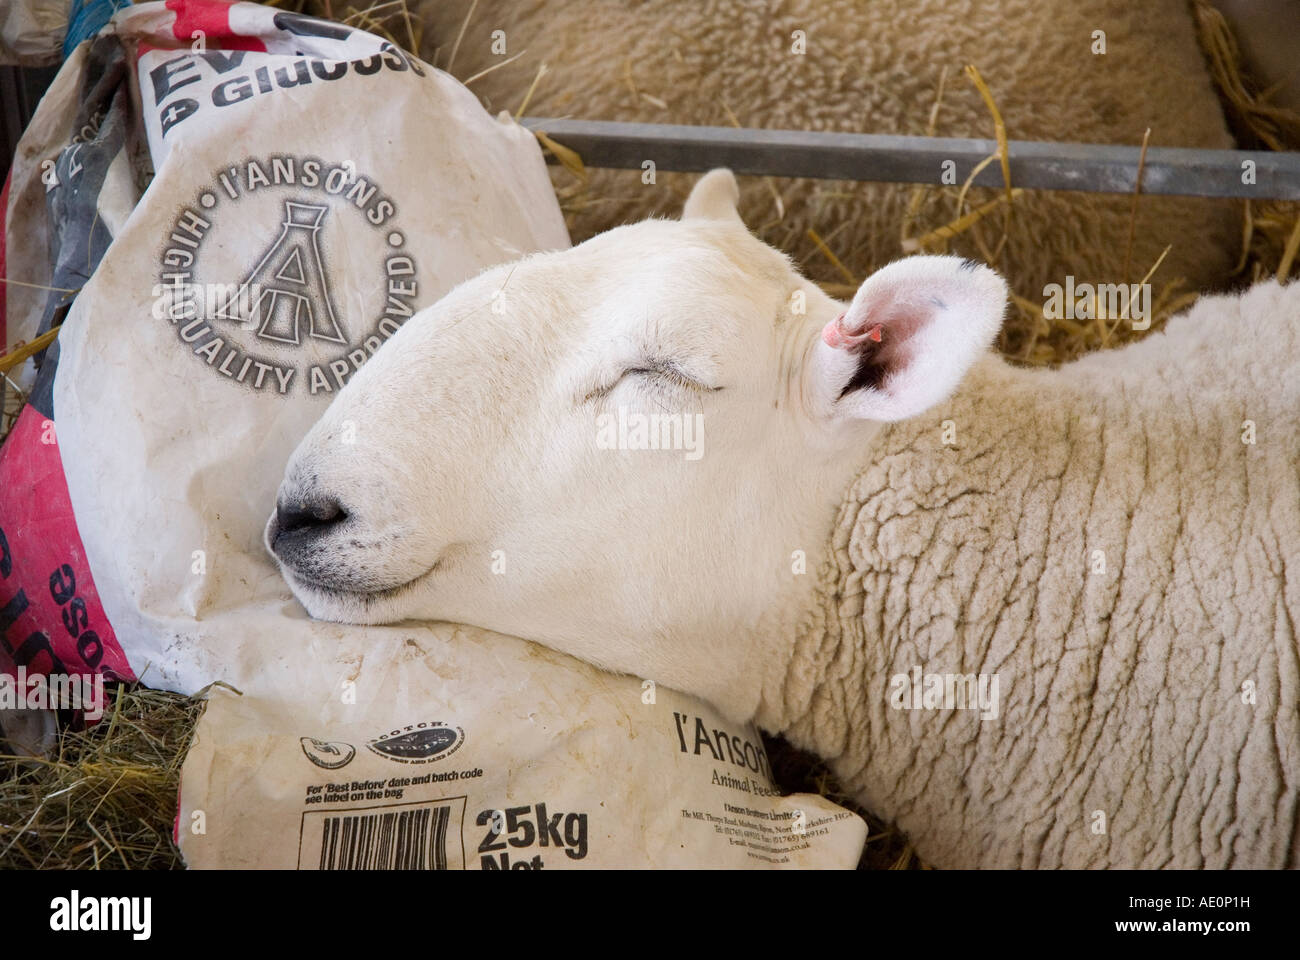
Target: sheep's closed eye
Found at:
661, 372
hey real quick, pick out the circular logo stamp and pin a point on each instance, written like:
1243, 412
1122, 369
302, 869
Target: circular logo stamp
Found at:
286, 273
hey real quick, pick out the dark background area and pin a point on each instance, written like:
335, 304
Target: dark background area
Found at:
21, 89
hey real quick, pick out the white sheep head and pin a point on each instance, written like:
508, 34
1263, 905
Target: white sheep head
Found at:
466, 471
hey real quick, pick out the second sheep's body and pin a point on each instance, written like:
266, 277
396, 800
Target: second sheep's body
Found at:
874, 68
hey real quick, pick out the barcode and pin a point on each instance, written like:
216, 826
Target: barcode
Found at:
413, 839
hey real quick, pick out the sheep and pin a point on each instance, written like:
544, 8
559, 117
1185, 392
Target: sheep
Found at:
1036, 618
874, 68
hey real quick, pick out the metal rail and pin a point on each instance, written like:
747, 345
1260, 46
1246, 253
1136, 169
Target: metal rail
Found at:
1094, 168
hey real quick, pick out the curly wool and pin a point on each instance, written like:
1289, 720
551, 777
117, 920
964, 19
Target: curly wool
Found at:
1101, 539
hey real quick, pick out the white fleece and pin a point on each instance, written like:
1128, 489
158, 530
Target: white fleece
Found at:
1159, 699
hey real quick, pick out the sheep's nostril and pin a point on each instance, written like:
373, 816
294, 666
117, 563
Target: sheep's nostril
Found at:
319, 515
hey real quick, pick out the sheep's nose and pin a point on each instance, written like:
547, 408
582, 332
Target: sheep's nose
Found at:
311, 518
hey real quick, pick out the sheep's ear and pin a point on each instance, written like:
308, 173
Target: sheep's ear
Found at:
909, 336
714, 197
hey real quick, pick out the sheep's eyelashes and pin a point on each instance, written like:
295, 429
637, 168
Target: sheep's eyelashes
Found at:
672, 372
667, 373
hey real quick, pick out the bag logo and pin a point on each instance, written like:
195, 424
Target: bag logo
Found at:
329, 754
303, 295
419, 743
324, 283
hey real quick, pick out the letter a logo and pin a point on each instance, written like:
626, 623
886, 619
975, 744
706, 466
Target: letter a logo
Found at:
288, 290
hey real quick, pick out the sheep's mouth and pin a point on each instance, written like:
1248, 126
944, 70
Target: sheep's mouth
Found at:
330, 589
335, 592
346, 604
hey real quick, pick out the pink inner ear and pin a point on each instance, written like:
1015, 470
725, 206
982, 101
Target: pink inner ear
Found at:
836, 336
